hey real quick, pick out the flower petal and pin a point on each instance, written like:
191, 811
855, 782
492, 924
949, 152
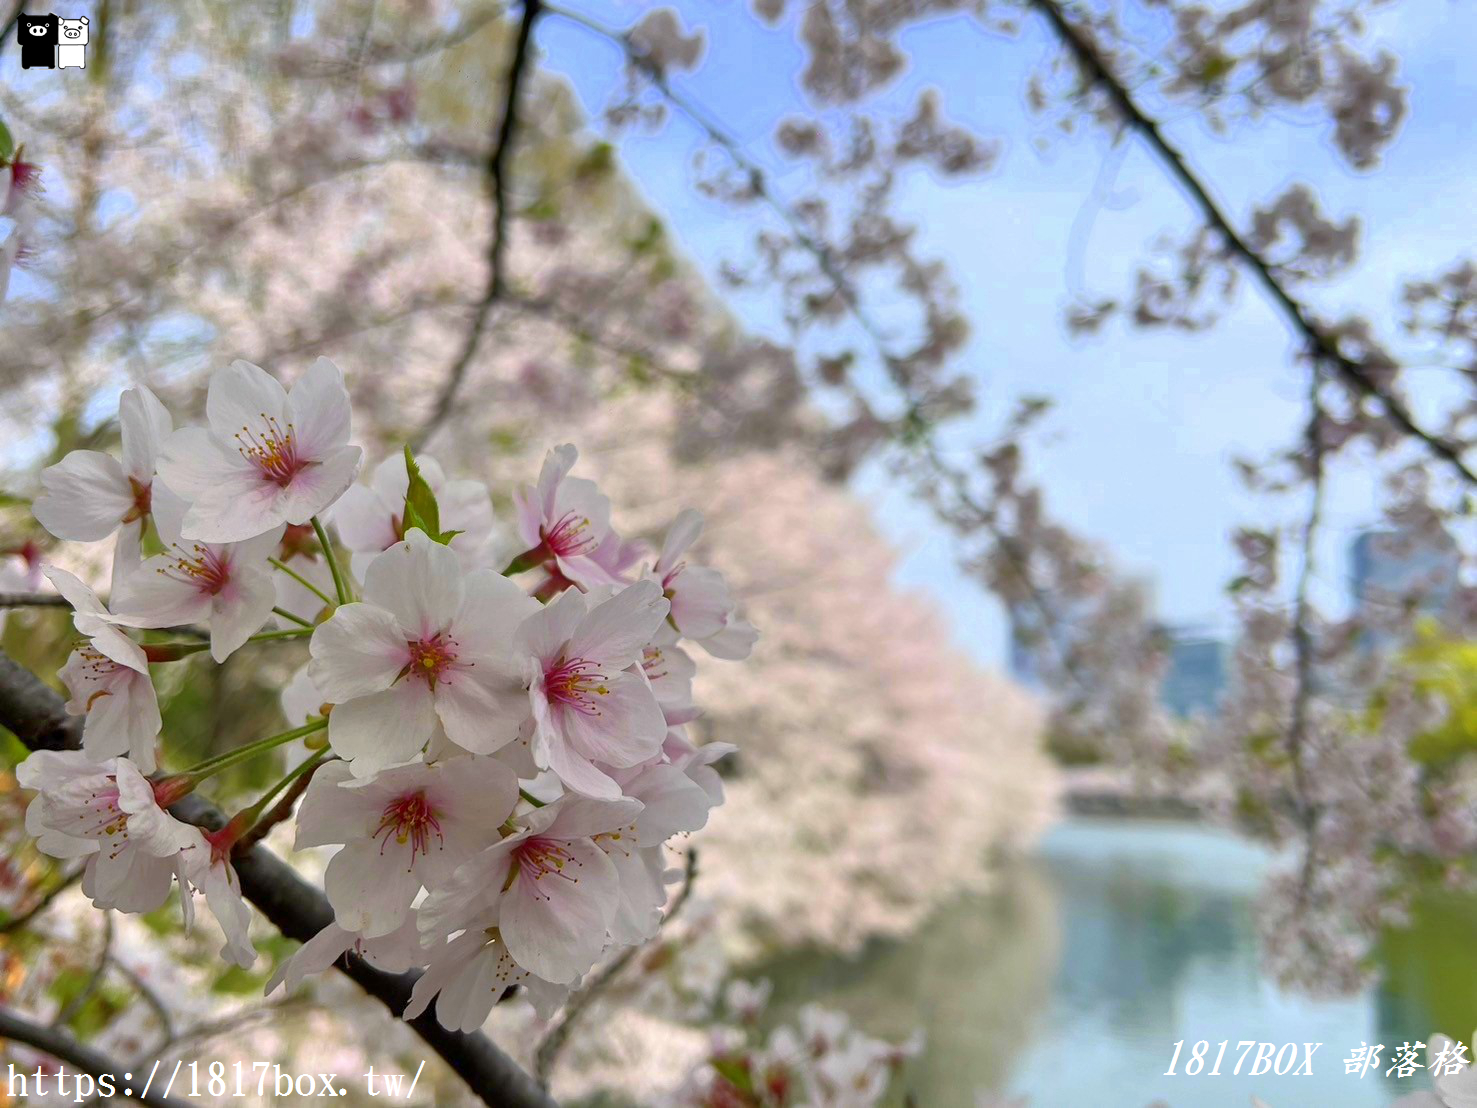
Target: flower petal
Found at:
84, 496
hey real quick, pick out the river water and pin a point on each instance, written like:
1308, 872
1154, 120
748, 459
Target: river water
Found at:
1071, 983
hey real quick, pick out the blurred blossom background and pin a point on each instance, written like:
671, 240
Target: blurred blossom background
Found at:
1082, 398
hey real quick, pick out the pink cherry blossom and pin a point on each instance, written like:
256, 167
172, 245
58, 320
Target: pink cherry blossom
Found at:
89, 495
269, 456
564, 521
109, 680
227, 586
587, 707
703, 609
405, 828
428, 643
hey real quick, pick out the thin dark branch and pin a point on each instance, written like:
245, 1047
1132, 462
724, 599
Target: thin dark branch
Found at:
554, 1040
497, 187
67, 1049
99, 968
32, 600
37, 716
1302, 640
1325, 347
15, 923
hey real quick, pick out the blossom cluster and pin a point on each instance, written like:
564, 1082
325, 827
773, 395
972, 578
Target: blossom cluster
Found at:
496, 745
821, 1060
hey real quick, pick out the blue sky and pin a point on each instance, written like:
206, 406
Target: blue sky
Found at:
1137, 453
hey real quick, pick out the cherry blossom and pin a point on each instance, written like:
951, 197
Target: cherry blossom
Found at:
703, 609
428, 643
556, 892
587, 707
565, 521
109, 680
404, 828
208, 869
105, 812
89, 495
227, 586
395, 952
470, 973
370, 518
269, 457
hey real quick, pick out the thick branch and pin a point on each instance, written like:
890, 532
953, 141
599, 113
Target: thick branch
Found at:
38, 718
62, 1046
1325, 348
497, 186
32, 600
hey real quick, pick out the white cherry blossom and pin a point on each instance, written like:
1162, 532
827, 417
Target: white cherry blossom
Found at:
227, 586
105, 812
269, 456
469, 974
371, 518
108, 678
89, 495
428, 643
555, 891
405, 828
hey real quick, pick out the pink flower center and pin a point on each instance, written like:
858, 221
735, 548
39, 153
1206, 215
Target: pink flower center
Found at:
409, 820
143, 500
272, 449
575, 683
104, 819
540, 858
430, 658
200, 567
570, 536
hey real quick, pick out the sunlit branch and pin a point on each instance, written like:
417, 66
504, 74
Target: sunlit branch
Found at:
1325, 348
497, 186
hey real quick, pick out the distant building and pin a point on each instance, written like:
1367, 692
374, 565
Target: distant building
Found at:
1391, 573
1197, 673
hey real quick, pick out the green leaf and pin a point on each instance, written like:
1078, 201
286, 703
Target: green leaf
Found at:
7, 144
421, 509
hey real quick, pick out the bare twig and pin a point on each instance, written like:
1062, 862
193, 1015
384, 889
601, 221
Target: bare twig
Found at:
554, 1040
62, 1046
497, 187
32, 600
1302, 639
89, 987
15, 923
1325, 347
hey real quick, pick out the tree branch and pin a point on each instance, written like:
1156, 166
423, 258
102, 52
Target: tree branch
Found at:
32, 600
67, 1049
38, 718
497, 186
1325, 347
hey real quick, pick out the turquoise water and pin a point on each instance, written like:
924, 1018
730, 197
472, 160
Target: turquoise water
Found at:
1072, 981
